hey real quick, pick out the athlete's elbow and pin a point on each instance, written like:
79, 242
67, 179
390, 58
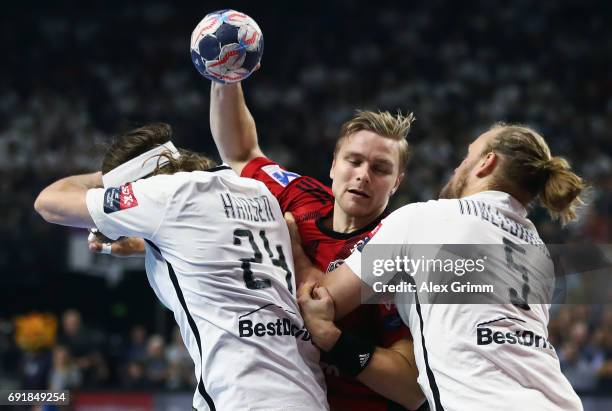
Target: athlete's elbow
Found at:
40, 205
44, 206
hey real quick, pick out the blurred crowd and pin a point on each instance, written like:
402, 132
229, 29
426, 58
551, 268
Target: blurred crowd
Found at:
38, 354
77, 76
582, 336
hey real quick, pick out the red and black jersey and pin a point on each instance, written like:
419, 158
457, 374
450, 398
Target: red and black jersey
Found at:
311, 202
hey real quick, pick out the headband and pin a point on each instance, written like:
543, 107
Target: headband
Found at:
139, 167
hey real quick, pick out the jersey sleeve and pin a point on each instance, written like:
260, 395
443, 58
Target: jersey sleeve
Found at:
295, 193
390, 239
133, 209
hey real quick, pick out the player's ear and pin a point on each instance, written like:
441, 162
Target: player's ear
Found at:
398, 181
487, 164
331, 170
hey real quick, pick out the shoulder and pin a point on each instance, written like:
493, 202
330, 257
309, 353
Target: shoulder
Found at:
220, 175
425, 208
262, 167
422, 214
167, 185
162, 183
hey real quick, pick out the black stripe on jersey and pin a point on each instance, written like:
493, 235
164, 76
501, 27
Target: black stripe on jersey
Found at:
475, 208
218, 168
192, 325
320, 223
499, 319
156, 248
313, 189
261, 308
430, 376
461, 206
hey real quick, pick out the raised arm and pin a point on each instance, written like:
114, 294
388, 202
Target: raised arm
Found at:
232, 125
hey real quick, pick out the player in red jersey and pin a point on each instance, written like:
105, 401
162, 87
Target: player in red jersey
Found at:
368, 165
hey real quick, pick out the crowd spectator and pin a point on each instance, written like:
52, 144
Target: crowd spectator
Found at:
134, 377
137, 349
156, 366
180, 364
85, 347
64, 374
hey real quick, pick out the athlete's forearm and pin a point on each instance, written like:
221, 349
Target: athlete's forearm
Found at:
122, 247
392, 372
63, 202
232, 125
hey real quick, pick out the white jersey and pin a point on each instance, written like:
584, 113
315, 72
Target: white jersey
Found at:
218, 256
476, 356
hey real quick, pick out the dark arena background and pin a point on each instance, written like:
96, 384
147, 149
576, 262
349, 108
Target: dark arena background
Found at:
76, 73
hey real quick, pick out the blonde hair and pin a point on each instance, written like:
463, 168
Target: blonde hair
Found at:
530, 171
383, 123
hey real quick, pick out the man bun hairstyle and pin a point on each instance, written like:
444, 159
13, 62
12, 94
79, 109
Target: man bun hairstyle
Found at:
561, 192
383, 123
530, 172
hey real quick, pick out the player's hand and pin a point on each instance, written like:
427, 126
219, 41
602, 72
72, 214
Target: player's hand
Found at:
294, 232
305, 270
318, 312
123, 247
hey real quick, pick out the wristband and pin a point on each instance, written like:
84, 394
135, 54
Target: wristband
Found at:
351, 354
106, 248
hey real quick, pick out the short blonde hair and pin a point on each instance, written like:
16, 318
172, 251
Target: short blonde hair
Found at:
533, 171
383, 123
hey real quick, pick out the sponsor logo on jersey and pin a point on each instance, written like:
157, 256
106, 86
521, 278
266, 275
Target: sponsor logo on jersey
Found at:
282, 177
251, 327
127, 198
333, 265
119, 198
488, 336
360, 244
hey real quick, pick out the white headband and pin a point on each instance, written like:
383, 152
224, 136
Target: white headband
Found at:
140, 166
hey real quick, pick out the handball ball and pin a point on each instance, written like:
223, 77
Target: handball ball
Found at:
226, 46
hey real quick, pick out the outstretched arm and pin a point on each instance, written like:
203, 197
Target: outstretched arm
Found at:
232, 126
63, 202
